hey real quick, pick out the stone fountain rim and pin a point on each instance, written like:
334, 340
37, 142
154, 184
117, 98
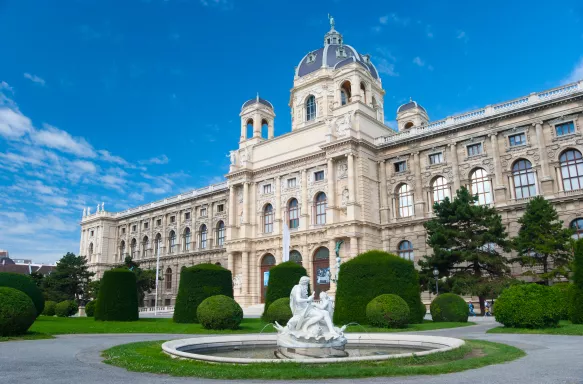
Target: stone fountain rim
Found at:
439, 343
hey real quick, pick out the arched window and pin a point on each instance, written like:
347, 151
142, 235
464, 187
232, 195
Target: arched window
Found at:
158, 244
217, 263
406, 250
90, 250
268, 219
133, 246
264, 128
363, 92
481, 186
168, 278
220, 233
577, 226
311, 108
572, 170
345, 96
322, 253
203, 236
122, 250
524, 180
293, 214
408, 125
321, 204
249, 128
187, 239
439, 189
145, 245
268, 260
296, 257
405, 200
172, 241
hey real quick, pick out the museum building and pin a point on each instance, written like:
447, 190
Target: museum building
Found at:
342, 175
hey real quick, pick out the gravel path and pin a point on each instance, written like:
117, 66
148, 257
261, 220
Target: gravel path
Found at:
74, 359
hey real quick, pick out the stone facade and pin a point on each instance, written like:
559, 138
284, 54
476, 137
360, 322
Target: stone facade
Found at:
342, 175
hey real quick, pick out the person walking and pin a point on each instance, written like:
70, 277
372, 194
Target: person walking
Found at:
471, 307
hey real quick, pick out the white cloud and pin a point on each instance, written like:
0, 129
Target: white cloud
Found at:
4, 85
223, 4
13, 124
417, 60
56, 138
107, 156
462, 35
162, 159
384, 19
134, 196
576, 74
394, 19
34, 78
385, 62
84, 166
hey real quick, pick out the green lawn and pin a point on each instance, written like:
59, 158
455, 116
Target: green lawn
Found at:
148, 357
565, 328
27, 336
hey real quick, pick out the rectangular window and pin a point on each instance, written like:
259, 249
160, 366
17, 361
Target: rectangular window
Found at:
123, 231
92, 233
172, 219
400, 166
203, 211
134, 227
267, 188
474, 149
436, 158
186, 215
166, 302
565, 128
319, 175
159, 222
220, 208
146, 225
291, 183
516, 140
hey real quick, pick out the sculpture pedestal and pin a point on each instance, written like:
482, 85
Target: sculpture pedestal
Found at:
298, 345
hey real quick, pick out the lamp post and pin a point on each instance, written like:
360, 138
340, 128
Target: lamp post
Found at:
436, 274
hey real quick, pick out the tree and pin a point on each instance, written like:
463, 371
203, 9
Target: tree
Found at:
466, 238
542, 240
69, 280
94, 289
145, 278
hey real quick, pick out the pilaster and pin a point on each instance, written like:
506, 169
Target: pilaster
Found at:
499, 187
384, 196
546, 180
418, 195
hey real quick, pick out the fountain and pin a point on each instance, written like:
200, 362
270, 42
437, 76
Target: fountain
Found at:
309, 337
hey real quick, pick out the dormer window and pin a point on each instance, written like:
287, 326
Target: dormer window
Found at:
311, 58
366, 58
333, 40
340, 52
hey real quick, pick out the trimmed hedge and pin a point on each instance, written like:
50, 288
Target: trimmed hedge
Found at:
282, 279
49, 308
118, 296
449, 307
369, 275
279, 311
66, 308
528, 306
219, 312
196, 284
90, 308
388, 311
562, 292
576, 302
25, 284
17, 312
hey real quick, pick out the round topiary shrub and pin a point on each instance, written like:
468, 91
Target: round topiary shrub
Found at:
66, 308
90, 308
528, 306
219, 312
198, 283
369, 275
279, 311
388, 311
17, 312
118, 296
25, 284
282, 279
449, 307
49, 308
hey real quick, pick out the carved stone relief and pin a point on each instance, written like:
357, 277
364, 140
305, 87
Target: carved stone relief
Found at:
345, 197
342, 169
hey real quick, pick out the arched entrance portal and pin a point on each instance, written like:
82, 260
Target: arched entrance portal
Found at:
321, 271
267, 263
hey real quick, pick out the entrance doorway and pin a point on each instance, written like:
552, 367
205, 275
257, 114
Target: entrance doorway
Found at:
321, 271
267, 263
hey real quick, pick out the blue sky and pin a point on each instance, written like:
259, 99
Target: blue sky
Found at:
130, 101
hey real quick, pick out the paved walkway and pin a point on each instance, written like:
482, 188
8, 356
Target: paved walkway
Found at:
74, 359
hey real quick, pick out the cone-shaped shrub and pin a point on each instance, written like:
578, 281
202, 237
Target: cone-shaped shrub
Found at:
449, 307
25, 284
279, 311
17, 312
198, 283
369, 275
219, 312
576, 310
118, 296
282, 279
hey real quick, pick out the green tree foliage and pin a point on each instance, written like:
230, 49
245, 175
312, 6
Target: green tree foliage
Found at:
90, 308
369, 275
17, 312
49, 308
543, 241
93, 288
282, 279
66, 308
279, 311
562, 292
466, 238
145, 278
449, 307
69, 280
388, 311
219, 312
528, 306
24, 284
576, 293
196, 284
118, 296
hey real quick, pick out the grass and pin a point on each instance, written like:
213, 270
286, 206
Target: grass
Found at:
78, 325
26, 336
564, 328
148, 357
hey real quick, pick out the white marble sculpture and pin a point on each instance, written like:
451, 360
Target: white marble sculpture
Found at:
310, 331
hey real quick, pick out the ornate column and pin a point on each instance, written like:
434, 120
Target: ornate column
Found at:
270, 129
352, 211
305, 212
333, 267
331, 208
256, 125
230, 263
499, 187
546, 180
232, 216
277, 225
454, 168
353, 247
243, 130
245, 272
418, 195
246, 203
384, 196
355, 88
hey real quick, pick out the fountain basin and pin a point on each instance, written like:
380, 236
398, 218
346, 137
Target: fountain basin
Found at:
208, 348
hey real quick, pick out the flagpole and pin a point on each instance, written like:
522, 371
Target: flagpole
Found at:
157, 269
